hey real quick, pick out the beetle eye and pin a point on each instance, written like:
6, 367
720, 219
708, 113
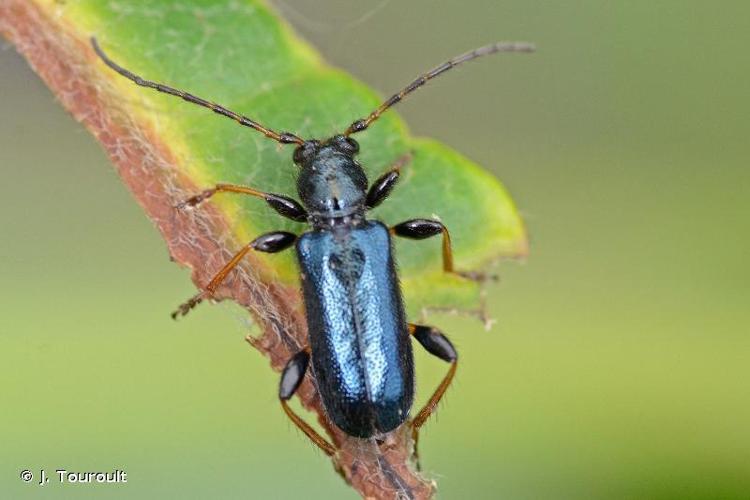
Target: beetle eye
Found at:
351, 144
299, 155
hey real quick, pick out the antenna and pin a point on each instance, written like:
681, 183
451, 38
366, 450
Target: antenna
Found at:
282, 137
362, 124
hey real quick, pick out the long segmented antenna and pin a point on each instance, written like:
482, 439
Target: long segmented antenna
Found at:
282, 137
362, 124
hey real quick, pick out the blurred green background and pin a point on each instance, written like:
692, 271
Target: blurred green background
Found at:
620, 363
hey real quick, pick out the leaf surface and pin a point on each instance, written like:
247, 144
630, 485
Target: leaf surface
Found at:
240, 54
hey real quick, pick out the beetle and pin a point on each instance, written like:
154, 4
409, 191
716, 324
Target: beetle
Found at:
358, 335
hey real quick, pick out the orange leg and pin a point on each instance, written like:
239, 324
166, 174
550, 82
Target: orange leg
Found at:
291, 378
269, 242
219, 188
438, 345
419, 229
284, 205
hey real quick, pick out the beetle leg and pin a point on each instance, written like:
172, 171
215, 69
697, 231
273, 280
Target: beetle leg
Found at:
438, 345
419, 229
291, 378
382, 187
284, 205
270, 242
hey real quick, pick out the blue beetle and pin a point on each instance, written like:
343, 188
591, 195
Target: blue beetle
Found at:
358, 334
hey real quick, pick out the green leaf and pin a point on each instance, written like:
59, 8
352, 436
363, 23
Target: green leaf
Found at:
241, 55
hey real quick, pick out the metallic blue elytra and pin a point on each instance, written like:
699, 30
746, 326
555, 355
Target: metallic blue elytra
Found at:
362, 357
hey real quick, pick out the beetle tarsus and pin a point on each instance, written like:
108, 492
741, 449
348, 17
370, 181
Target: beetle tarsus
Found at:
196, 200
188, 306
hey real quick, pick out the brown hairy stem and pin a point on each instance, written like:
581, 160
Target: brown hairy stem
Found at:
65, 61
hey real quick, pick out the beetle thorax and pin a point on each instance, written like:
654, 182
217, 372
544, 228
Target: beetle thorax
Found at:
332, 184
